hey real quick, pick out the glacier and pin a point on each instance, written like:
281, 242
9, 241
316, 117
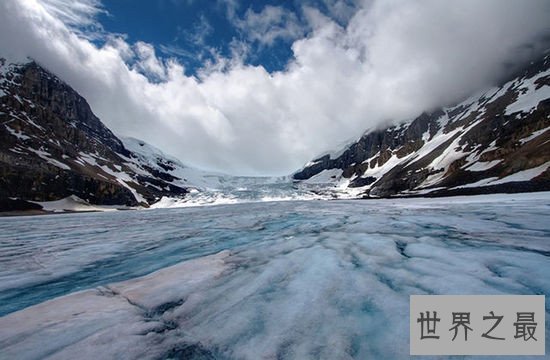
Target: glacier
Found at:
271, 280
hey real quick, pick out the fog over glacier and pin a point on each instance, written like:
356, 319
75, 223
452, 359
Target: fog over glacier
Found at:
362, 65
293, 280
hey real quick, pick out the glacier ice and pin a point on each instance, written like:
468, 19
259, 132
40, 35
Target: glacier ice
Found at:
290, 280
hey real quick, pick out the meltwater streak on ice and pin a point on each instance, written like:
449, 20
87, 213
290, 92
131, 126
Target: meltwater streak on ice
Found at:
302, 280
45, 257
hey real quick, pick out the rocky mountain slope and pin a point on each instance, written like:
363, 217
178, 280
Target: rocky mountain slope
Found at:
53, 146
495, 141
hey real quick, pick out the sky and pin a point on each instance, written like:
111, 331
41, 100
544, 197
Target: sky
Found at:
263, 87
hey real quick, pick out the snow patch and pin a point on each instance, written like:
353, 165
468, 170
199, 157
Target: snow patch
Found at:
47, 156
524, 175
529, 96
18, 134
534, 135
325, 177
74, 203
483, 166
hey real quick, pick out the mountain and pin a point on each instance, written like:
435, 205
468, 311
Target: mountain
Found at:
495, 141
153, 159
52, 146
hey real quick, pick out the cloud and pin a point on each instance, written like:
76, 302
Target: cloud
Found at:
230, 6
202, 29
74, 12
339, 10
176, 51
390, 61
148, 62
270, 24
196, 48
78, 15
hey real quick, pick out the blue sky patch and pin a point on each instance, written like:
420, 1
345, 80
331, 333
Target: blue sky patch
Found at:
196, 32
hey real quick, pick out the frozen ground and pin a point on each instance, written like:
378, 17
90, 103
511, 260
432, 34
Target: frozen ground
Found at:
284, 280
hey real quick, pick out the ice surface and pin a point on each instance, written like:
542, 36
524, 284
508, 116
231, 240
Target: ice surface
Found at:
283, 280
248, 192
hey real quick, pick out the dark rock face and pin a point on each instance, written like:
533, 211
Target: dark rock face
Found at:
484, 139
18, 205
380, 143
53, 146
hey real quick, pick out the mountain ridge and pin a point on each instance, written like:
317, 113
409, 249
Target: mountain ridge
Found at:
435, 154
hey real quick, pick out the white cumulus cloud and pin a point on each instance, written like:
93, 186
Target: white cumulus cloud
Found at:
391, 61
